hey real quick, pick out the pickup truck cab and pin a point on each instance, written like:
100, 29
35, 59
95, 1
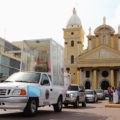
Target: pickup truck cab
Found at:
15, 92
75, 95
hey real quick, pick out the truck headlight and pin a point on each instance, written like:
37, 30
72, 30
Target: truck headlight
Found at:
72, 95
19, 92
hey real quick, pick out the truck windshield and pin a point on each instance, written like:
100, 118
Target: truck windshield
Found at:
24, 77
89, 92
73, 88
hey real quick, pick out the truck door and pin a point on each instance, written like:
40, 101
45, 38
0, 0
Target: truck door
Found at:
46, 93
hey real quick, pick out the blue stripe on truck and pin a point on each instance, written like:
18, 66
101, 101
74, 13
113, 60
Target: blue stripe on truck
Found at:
33, 91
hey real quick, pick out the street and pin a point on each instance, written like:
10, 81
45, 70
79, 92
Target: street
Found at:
93, 111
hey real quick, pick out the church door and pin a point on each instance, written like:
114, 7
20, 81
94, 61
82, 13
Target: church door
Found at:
87, 85
104, 85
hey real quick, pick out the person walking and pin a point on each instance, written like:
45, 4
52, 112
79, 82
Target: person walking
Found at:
67, 78
109, 92
115, 96
118, 93
112, 90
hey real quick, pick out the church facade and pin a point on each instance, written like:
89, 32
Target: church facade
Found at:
98, 66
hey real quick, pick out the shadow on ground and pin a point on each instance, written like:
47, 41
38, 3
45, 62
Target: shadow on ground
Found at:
51, 115
80, 107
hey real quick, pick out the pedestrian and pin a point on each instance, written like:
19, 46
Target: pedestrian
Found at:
118, 93
112, 90
67, 78
109, 92
115, 96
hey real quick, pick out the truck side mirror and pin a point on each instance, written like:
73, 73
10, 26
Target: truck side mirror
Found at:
45, 82
81, 91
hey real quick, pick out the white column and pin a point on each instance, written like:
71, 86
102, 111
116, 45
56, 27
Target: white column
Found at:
89, 44
119, 43
82, 77
78, 50
98, 79
65, 49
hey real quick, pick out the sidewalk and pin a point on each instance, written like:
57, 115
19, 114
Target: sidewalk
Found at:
111, 104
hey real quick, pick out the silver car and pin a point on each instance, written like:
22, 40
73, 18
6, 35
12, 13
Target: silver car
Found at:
91, 96
75, 95
100, 94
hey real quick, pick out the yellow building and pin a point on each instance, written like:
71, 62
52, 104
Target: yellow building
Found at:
99, 65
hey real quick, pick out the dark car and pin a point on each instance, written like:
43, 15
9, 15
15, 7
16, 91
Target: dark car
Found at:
106, 93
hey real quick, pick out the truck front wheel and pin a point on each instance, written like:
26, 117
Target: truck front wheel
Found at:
76, 104
58, 107
31, 108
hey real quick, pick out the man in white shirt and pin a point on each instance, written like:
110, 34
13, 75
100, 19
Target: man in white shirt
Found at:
67, 78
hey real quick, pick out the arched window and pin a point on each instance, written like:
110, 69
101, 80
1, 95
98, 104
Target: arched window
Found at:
72, 43
72, 59
104, 39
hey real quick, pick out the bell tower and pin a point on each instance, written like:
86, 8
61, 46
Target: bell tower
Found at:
74, 38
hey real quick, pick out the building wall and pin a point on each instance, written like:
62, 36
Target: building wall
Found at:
18, 44
8, 63
73, 72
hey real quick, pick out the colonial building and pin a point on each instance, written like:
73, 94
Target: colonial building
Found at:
99, 65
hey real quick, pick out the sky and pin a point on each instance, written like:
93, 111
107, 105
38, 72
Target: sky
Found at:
36, 19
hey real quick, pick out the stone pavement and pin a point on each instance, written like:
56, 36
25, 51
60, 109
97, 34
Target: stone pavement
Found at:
93, 111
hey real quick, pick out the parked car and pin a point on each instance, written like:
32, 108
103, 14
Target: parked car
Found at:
91, 96
75, 95
100, 94
106, 93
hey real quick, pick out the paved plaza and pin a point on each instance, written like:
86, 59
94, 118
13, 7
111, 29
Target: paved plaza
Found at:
93, 111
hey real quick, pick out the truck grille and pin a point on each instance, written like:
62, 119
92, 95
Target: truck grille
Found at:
67, 95
3, 91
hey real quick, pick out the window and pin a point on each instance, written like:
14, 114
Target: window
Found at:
25, 77
94, 93
104, 73
73, 88
72, 59
74, 73
45, 80
87, 74
49, 77
72, 33
89, 92
104, 39
72, 43
81, 88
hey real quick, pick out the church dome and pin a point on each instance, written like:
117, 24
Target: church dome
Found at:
74, 21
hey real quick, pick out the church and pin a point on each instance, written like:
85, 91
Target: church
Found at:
98, 66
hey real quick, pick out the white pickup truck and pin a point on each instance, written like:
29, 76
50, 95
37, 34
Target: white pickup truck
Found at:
40, 81
14, 92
